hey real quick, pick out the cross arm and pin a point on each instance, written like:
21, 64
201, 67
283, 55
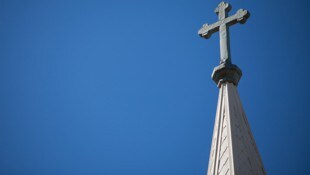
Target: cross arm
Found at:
240, 17
207, 30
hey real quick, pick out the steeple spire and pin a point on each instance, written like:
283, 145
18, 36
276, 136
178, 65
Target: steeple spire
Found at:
233, 149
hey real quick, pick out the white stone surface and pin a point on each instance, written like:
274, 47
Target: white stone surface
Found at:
233, 149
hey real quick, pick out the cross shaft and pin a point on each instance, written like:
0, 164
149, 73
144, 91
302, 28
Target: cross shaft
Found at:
223, 27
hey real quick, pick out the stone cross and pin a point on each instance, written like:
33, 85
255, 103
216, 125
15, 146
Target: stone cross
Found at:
223, 27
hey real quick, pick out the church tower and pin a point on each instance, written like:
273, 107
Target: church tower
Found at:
233, 149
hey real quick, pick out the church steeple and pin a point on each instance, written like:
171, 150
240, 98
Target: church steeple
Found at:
233, 149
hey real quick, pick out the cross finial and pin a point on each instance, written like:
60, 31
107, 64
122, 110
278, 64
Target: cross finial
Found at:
226, 71
223, 27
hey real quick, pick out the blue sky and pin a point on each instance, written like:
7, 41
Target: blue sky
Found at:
124, 87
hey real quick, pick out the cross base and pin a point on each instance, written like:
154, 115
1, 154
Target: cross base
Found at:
226, 72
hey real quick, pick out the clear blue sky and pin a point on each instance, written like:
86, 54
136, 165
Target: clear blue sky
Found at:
124, 87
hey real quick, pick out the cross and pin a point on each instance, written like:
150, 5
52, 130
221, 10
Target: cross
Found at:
223, 27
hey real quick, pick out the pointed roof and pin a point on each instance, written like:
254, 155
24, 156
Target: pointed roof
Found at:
233, 150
